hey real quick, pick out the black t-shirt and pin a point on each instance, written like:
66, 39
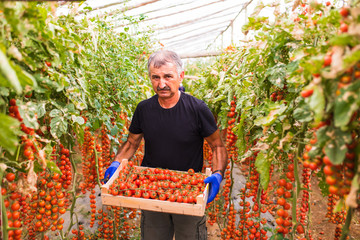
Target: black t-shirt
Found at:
174, 137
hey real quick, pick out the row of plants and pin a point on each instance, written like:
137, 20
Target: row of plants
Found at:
289, 102
68, 86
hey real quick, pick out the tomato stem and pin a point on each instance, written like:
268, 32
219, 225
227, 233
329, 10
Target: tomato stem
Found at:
97, 167
4, 218
61, 234
18, 153
114, 226
345, 229
73, 193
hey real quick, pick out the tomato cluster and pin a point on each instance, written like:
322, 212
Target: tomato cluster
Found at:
251, 224
230, 135
278, 95
14, 204
302, 211
106, 157
156, 183
284, 192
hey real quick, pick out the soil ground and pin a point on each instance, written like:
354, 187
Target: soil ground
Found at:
321, 228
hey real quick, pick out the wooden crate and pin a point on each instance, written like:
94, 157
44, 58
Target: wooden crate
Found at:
197, 209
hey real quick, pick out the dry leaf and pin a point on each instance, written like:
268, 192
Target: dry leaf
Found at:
27, 184
42, 158
287, 138
296, 4
260, 146
337, 59
3, 167
336, 63
355, 12
354, 29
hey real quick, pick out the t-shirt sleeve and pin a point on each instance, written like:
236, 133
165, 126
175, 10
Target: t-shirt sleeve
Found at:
135, 126
206, 120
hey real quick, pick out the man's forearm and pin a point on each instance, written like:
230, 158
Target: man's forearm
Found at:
128, 149
220, 159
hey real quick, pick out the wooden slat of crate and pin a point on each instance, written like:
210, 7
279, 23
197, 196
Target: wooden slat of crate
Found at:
197, 209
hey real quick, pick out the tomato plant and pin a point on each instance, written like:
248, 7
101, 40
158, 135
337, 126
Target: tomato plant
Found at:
286, 102
60, 84
295, 115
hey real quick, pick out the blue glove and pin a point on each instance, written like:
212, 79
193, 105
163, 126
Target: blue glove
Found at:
214, 180
182, 88
110, 171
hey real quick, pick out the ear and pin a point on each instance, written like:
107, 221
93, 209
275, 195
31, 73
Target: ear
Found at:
182, 75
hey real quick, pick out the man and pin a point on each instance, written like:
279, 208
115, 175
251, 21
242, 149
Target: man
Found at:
174, 126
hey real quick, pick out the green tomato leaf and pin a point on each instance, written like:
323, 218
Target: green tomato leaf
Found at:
24, 77
70, 108
4, 91
55, 113
276, 75
29, 114
302, 115
53, 167
77, 119
41, 109
340, 206
271, 117
9, 73
262, 165
58, 127
79, 133
344, 40
114, 130
336, 147
321, 136
9, 129
48, 149
241, 143
96, 124
346, 104
97, 104
317, 103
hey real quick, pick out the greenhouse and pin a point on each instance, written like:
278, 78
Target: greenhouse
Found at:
193, 119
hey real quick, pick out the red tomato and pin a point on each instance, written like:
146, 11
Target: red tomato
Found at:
179, 199
12, 102
343, 27
15, 206
172, 198
344, 11
162, 196
282, 182
10, 177
146, 195
307, 93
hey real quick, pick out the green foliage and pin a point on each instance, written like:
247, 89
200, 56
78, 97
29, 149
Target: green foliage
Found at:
285, 57
63, 68
8, 134
262, 165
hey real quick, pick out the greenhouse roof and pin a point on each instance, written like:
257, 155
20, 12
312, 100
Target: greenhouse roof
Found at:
189, 27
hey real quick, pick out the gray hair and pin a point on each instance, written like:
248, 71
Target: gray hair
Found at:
161, 57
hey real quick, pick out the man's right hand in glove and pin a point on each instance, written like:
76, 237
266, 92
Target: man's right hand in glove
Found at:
110, 171
214, 180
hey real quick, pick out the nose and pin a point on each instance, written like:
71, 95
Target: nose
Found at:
162, 83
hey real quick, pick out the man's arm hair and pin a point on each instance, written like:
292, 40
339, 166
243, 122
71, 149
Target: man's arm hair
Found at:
128, 148
220, 158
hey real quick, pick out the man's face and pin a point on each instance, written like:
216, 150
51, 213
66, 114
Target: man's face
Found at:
165, 80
